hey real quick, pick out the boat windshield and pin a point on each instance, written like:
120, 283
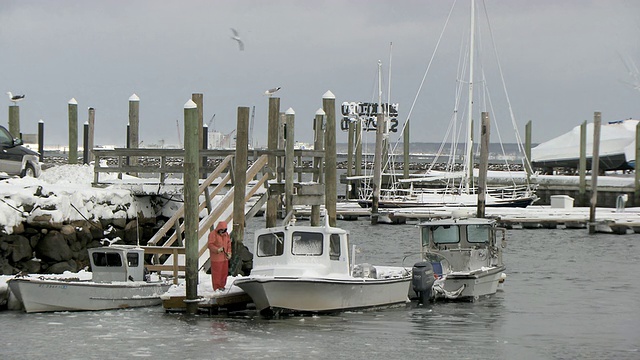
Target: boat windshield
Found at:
334, 247
478, 233
443, 234
107, 259
306, 243
271, 244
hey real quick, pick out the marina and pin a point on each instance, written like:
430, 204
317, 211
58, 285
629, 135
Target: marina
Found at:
240, 228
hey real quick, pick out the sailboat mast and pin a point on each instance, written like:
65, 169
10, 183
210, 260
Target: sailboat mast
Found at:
469, 157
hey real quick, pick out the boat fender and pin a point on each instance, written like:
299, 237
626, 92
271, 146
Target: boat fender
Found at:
422, 280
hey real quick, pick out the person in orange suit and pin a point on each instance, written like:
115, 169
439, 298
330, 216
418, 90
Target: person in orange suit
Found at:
219, 253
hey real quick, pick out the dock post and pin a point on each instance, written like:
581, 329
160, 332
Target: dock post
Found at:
595, 168
239, 186
198, 99
484, 163
406, 150
527, 150
272, 146
191, 203
92, 131
288, 159
318, 163
350, 150
358, 155
134, 127
331, 196
85, 143
636, 197
73, 131
41, 139
14, 120
582, 166
377, 168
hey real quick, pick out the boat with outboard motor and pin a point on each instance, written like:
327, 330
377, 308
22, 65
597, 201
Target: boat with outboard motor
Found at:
119, 280
307, 269
462, 259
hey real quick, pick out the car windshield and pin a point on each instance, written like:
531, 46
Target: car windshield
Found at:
5, 137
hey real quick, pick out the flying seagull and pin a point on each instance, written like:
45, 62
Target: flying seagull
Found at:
15, 98
236, 37
272, 91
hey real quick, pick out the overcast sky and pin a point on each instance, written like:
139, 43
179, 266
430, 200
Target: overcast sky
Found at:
561, 60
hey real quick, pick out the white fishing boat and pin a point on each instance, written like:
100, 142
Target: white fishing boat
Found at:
464, 257
118, 281
307, 269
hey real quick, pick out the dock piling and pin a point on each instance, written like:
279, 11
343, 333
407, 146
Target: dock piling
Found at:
73, 131
191, 203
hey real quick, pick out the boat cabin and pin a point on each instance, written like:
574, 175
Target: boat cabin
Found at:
117, 263
301, 251
461, 244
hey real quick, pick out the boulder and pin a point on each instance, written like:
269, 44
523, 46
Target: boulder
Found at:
21, 249
53, 248
61, 267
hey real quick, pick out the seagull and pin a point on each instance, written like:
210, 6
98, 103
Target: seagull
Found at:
110, 242
236, 37
15, 98
272, 91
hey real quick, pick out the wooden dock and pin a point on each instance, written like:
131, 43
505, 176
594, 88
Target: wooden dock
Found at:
608, 220
225, 302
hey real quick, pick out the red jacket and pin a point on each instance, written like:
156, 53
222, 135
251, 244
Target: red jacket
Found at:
219, 241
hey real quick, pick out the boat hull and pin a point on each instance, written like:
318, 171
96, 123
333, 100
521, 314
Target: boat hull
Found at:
38, 295
476, 284
317, 295
393, 204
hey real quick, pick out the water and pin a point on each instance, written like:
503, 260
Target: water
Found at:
568, 295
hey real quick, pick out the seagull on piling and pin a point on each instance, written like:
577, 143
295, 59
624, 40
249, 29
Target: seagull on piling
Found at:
236, 37
272, 91
15, 98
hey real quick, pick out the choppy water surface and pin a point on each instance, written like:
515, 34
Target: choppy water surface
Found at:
568, 295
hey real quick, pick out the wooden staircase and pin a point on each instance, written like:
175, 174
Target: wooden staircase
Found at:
222, 211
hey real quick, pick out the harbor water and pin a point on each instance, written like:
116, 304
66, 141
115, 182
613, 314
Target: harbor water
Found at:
568, 295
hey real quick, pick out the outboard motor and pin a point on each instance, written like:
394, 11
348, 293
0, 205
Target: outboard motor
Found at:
422, 280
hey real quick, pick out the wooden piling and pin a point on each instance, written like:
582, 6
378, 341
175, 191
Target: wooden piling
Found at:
318, 164
582, 165
272, 146
134, 127
527, 150
92, 130
239, 186
288, 160
405, 145
377, 168
484, 163
636, 200
331, 195
85, 143
14, 121
191, 203
41, 139
350, 151
595, 168
73, 131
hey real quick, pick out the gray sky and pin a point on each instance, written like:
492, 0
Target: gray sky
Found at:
562, 60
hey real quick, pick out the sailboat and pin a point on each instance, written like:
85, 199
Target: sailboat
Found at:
455, 187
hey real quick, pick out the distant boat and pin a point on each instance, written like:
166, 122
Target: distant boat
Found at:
118, 282
456, 187
616, 152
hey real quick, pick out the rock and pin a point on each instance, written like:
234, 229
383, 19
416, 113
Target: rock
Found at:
18, 229
131, 232
61, 267
30, 266
53, 248
21, 249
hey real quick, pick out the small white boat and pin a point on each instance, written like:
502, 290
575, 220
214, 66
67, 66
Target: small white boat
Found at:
307, 269
462, 259
118, 281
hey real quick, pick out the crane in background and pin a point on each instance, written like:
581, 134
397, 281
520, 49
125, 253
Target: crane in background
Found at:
179, 136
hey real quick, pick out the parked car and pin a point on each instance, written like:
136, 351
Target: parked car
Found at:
16, 159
